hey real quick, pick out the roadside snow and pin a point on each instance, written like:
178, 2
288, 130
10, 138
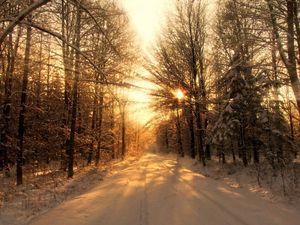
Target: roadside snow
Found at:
43, 191
239, 177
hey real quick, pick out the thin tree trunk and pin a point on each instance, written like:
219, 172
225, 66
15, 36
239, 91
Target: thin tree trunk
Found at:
38, 82
292, 68
65, 30
123, 146
94, 120
190, 121
243, 144
112, 127
7, 100
21, 128
290, 114
138, 140
98, 152
167, 138
48, 71
118, 140
90, 153
233, 152
200, 135
179, 139
290, 61
74, 95
255, 152
297, 30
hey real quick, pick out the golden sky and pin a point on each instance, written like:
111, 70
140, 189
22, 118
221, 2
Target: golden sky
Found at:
146, 16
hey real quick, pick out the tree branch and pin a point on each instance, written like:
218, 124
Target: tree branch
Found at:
20, 17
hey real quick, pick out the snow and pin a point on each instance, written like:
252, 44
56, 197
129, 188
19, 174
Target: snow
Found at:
237, 176
46, 189
160, 190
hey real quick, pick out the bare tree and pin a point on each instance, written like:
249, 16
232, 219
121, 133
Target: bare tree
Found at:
21, 128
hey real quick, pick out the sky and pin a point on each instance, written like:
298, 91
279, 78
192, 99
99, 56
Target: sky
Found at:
147, 17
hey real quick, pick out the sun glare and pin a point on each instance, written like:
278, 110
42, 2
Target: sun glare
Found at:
179, 94
140, 109
146, 16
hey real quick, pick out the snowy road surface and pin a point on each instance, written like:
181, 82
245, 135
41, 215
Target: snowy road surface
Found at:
156, 190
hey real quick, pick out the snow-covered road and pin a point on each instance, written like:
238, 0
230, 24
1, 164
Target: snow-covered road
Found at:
156, 190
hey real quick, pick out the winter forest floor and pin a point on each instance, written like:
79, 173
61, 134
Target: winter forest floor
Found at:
44, 190
155, 189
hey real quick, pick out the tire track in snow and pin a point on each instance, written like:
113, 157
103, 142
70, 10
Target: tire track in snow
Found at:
224, 209
217, 204
144, 214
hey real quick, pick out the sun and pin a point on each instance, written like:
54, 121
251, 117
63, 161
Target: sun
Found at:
178, 93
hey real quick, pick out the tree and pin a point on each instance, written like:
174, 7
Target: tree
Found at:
95, 56
181, 64
6, 130
74, 95
21, 128
289, 59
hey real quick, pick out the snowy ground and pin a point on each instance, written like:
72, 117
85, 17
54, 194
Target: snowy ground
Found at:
270, 187
159, 190
43, 189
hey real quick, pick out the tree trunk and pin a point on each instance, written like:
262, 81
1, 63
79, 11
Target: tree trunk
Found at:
167, 138
290, 61
67, 61
290, 115
94, 119
90, 153
190, 121
200, 135
255, 152
243, 144
123, 146
100, 117
297, 30
7, 101
292, 68
112, 128
21, 128
233, 152
38, 81
178, 131
74, 95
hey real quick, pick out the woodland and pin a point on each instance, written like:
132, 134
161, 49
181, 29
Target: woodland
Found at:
225, 86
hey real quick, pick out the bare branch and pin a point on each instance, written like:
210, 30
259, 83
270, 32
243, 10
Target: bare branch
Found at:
20, 17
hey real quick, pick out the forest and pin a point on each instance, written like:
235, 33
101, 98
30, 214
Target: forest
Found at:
231, 85
62, 63
223, 77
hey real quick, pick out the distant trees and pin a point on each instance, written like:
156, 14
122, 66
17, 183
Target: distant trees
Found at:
181, 64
